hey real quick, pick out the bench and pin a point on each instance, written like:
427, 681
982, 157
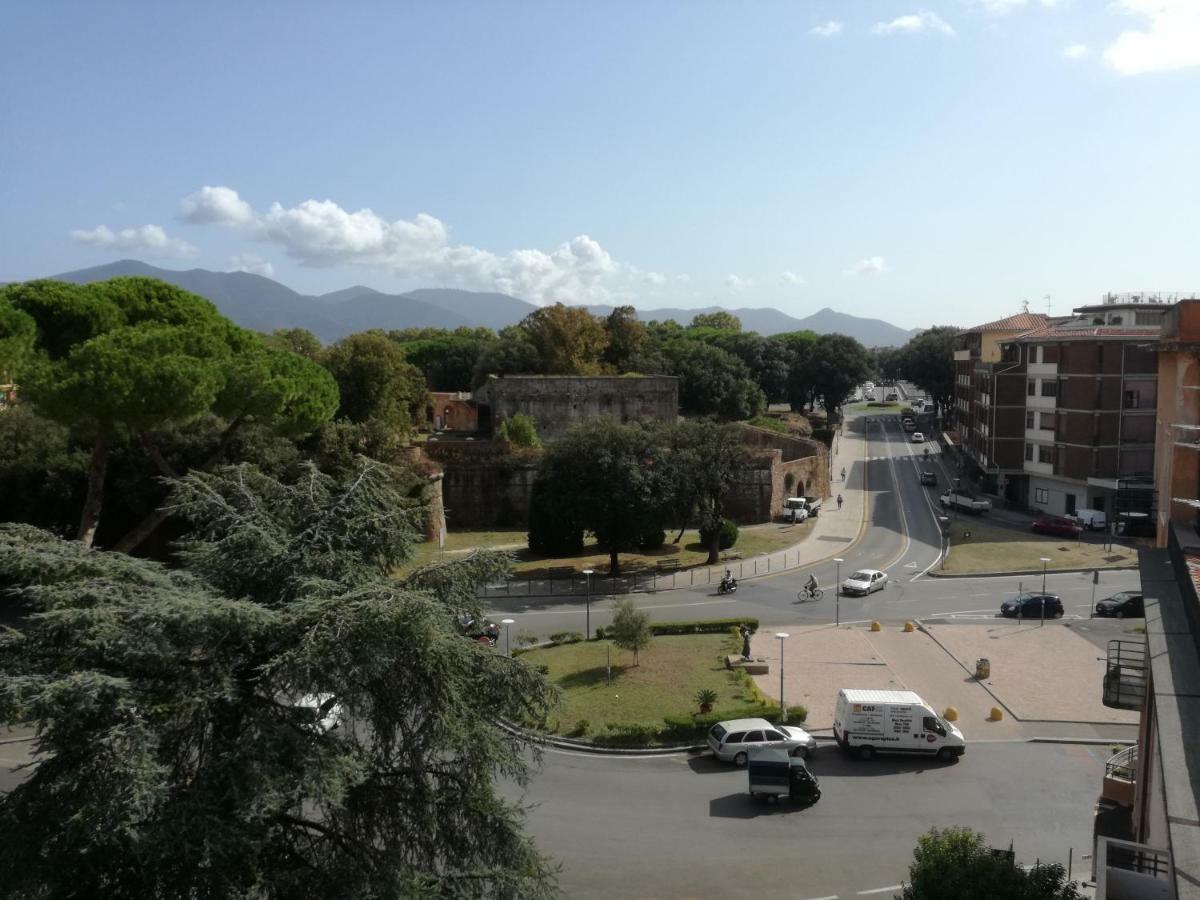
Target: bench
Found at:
669, 565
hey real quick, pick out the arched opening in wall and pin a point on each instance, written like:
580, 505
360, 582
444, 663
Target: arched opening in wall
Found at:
804, 487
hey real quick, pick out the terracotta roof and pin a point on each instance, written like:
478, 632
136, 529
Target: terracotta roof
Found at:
1025, 321
1092, 333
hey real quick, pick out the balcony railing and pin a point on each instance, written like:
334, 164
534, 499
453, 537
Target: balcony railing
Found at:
1125, 675
1120, 777
1129, 871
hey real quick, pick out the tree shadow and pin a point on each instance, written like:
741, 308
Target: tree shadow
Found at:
589, 677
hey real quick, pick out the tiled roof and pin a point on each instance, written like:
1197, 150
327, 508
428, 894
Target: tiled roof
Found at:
1090, 333
1025, 321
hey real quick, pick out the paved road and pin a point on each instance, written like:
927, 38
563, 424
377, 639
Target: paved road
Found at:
902, 538
686, 828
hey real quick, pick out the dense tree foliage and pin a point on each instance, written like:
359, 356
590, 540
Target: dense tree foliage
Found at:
706, 457
720, 320
569, 340
376, 382
837, 365
956, 863
511, 354
520, 431
447, 360
277, 719
713, 382
627, 340
928, 362
300, 341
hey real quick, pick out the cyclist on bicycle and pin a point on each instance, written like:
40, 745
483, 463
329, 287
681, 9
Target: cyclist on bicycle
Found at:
812, 587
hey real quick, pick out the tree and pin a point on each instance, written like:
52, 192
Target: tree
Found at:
614, 477
300, 341
42, 472
769, 361
720, 320
630, 628
713, 382
512, 353
800, 346
182, 716
18, 334
954, 863
569, 340
520, 431
707, 457
838, 364
627, 339
375, 381
928, 362
447, 360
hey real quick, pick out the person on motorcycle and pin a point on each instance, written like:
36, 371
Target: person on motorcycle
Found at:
728, 582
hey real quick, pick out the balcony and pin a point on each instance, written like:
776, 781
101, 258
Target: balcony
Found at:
1125, 675
1120, 776
1129, 871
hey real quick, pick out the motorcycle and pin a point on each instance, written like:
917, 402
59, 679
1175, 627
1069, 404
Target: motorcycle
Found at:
727, 586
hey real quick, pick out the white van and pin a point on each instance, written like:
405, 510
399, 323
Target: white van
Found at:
870, 722
1091, 519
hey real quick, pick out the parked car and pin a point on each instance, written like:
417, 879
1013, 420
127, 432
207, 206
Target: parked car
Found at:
865, 581
1091, 519
1029, 606
1125, 605
892, 396
731, 741
1058, 526
929, 478
918, 437
965, 501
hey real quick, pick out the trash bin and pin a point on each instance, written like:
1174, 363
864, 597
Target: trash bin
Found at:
983, 668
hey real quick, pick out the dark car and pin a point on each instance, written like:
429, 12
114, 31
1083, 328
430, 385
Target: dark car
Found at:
1029, 606
1127, 604
928, 478
1057, 526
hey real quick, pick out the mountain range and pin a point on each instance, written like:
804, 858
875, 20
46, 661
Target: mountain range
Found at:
262, 304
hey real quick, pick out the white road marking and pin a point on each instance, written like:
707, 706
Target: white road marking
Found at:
890, 887
830, 897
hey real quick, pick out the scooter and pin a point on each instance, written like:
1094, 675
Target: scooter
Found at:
727, 586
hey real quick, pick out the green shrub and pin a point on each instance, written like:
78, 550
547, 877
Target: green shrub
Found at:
580, 729
711, 626
684, 728
824, 435
652, 539
520, 431
621, 734
770, 423
728, 535
566, 637
543, 669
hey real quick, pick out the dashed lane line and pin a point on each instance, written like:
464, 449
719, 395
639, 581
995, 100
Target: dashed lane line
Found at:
890, 887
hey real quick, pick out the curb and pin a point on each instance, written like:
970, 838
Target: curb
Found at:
934, 574
20, 740
1066, 740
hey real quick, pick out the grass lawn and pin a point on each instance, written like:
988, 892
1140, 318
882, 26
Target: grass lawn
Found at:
991, 549
671, 670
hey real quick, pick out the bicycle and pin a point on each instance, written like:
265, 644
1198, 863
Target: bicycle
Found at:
807, 594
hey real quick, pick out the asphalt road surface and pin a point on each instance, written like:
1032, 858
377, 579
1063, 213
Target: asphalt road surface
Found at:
902, 538
678, 827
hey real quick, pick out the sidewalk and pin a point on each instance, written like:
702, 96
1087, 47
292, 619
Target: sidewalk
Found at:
832, 533
1047, 681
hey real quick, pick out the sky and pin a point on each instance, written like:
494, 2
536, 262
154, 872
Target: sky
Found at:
932, 162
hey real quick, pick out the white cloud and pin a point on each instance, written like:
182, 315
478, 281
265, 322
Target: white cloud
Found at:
1171, 40
1004, 7
249, 262
322, 233
148, 239
1075, 51
828, 30
737, 283
215, 206
683, 279
871, 265
655, 278
793, 279
915, 23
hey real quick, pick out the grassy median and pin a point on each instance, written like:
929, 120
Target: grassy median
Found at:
976, 547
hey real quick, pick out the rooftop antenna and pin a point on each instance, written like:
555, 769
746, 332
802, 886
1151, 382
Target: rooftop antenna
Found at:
1025, 306
1047, 299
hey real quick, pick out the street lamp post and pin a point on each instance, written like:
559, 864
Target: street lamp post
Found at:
837, 592
587, 633
944, 523
1045, 562
507, 642
783, 636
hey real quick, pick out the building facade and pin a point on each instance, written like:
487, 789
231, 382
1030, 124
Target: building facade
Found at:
1177, 457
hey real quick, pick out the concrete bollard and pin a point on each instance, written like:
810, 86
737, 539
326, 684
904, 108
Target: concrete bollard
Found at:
951, 714
909, 626
996, 714
875, 626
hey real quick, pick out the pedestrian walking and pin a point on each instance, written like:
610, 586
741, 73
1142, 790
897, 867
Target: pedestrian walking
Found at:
843, 473
839, 501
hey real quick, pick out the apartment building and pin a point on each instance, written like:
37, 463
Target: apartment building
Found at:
1148, 815
1091, 389
989, 398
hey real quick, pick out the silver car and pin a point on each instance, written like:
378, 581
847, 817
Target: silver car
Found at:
731, 741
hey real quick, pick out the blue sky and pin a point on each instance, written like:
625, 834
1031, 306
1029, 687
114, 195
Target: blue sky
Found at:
924, 163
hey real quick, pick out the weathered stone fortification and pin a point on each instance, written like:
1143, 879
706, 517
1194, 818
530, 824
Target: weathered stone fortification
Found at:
484, 485
759, 491
556, 402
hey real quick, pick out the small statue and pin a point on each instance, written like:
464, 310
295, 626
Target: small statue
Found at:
746, 632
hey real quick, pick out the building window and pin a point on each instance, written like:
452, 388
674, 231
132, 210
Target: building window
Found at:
1046, 453
1032, 389
1029, 452
1029, 419
1049, 388
1041, 495
1131, 399
1047, 421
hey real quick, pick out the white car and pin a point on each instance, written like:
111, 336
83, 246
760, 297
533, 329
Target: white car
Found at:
918, 437
865, 581
732, 741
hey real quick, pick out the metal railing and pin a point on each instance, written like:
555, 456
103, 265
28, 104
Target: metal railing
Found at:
1125, 869
1123, 764
1125, 675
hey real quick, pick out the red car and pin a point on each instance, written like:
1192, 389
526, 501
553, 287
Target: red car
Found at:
1057, 526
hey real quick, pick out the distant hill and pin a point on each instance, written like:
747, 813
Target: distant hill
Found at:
264, 305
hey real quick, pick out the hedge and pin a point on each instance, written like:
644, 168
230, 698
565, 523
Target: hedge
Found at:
707, 626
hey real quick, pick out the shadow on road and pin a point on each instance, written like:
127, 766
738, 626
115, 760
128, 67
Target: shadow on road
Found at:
743, 806
706, 764
831, 761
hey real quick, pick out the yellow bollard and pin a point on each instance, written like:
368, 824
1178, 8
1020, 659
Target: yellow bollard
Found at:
875, 626
997, 714
908, 626
951, 714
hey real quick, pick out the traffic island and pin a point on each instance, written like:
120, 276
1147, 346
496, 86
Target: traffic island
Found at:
977, 548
